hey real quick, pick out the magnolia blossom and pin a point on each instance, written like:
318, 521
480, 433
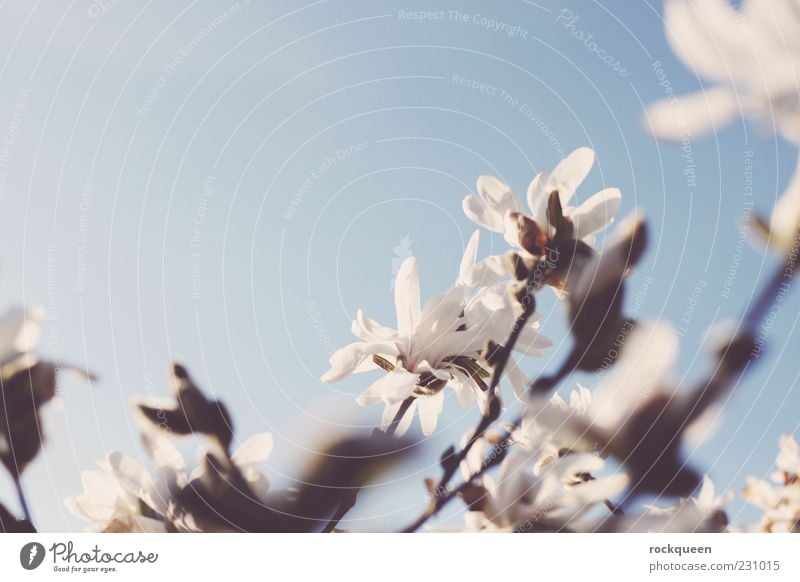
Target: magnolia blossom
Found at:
433, 347
752, 55
497, 208
784, 225
531, 496
123, 496
780, 498
704, 513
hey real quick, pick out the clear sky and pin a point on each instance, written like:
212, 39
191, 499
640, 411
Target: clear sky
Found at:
226, 183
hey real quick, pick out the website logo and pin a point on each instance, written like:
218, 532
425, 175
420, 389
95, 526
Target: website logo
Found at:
31, 555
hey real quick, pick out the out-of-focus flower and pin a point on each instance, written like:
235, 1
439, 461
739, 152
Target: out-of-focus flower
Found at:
531, 496
752, 55
27, 385
634, 415
497, 208
702, 514
433, 347
780, 498
123, 496
782, 229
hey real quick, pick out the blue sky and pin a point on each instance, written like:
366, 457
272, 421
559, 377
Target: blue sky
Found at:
225, 184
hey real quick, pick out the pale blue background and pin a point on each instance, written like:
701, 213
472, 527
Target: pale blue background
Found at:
266, 95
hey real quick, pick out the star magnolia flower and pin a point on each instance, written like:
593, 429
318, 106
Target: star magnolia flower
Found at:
529, 496
122, 496
702, 514
497, 208
751, 53
780, 500
635, 415
433, 347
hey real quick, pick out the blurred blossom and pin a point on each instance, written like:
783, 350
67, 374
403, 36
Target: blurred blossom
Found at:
779, 498
123, 496
530, 496
752, 55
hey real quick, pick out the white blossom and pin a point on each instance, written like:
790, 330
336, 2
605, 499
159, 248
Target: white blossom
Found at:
434, 346
496, 207
749, 53
123, 496
779, 498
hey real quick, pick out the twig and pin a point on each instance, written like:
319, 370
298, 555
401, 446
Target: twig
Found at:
451, 462
22, 501
350, 498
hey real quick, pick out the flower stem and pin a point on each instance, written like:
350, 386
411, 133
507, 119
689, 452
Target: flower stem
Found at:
22, 501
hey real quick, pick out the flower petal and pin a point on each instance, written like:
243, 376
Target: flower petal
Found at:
395, 386
430, 407
693, 114
596, 213
406, 297
348, 359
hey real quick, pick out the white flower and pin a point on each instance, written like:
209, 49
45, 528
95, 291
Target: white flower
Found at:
750, 53
533, 497
122, 496
497, 208
433, 347
635, 415
702, 514
785, 221
780, 500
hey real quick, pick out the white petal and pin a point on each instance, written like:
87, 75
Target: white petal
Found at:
537, 197
644, 360
164, 454
405, 422
478, 213
253, 451
596, 213
370, 330
406, 297
19, 331
131, 475
692, 115
570, 173
393, 387
430, 407
348, 359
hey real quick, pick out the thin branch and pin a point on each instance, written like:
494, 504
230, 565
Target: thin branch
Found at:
21, 496
350, 498
451, 462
